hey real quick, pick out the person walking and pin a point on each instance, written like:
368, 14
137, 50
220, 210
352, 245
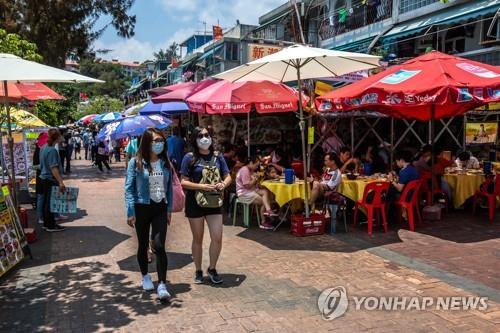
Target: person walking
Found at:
69, 151
102, 156
77, 139
62, 148
50, 175
86, 143
41, 141
205, 175
148, 198
175, 148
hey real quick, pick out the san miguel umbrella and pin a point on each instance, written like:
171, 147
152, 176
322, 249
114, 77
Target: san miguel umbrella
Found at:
181, 91
132, 126
167, 108
429, 87
31, 91
296, 63
26, 119
225, 97
15, 69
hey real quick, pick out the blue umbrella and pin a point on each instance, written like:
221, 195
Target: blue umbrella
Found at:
132, 126
107, 117
167, 108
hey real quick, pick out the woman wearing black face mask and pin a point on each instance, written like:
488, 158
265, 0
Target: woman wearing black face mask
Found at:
148, 198
205, 175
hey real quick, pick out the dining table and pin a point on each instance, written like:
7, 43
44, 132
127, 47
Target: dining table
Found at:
355, 188
463, 185
284, 194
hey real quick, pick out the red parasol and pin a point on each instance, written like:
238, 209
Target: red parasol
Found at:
87, 119
432, 86
225, 97
32, 91
181, 91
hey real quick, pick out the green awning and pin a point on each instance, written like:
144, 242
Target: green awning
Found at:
357, 46
455, 14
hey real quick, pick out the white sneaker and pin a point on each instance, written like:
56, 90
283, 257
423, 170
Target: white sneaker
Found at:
147, 283
162, 291
60, 217
40, 221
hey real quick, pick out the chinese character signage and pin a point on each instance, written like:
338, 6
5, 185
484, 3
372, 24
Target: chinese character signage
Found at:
257, 51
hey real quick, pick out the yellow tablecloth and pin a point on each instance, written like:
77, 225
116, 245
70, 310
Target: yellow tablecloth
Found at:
354, 189
463, 186
285, 193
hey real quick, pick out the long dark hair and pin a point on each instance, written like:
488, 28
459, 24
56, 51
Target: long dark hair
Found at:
196, 150
144, 151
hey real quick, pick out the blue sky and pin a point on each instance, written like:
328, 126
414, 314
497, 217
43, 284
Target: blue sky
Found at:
160, 22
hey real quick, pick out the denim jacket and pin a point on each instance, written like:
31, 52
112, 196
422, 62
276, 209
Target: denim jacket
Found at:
137, 187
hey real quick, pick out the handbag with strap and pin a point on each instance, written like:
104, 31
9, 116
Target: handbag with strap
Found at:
178, 196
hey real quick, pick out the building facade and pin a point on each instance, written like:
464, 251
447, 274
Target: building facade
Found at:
407, 28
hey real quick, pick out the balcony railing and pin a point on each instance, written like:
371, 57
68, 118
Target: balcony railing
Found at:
339, 22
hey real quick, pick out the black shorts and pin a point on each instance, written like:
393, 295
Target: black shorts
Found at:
193, 210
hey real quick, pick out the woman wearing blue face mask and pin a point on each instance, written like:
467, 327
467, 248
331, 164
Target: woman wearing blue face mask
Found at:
148, 198
205, 175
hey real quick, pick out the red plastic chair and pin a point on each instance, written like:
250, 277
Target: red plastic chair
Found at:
298, 169
490, 196
409, 200
425, 189
374, 201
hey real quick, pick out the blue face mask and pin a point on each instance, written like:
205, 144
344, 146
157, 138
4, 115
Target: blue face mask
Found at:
158, 147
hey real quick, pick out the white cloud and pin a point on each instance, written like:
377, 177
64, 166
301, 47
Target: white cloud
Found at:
126, 50
187, 16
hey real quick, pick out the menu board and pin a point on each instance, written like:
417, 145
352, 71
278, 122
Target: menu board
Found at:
12, 237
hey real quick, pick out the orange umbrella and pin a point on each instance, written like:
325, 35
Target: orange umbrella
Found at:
32, 91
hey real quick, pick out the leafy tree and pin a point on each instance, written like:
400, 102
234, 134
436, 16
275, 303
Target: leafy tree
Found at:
115, 81
101, 104
168, 54
14, 44
65, 28
50, 112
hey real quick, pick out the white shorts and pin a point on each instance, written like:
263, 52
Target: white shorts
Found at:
249, 197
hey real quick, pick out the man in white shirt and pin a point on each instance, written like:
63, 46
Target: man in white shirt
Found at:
331, 177
467, 161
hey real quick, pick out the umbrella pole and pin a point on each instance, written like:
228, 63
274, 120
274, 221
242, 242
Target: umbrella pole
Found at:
431, 141
248, 133
10, 142
303, 137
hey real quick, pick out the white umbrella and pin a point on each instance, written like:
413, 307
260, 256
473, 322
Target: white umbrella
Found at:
296, 63
15, 69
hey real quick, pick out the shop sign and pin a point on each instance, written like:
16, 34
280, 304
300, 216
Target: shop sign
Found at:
257, 51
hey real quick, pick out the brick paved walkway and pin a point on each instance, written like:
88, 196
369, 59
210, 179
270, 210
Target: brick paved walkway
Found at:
86, 279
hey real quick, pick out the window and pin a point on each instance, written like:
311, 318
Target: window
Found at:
406, 6
490, 31
232, 51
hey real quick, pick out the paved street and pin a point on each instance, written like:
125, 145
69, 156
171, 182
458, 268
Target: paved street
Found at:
87, 279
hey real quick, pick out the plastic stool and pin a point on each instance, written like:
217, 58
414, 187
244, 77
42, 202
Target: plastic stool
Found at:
246, 212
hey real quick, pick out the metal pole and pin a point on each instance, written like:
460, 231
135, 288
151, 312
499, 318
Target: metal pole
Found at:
10, 142
433, 111
392, 141
248, 133
352, 136
303, 137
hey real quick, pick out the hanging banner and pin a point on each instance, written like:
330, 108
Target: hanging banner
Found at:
310, 135
257, 51
20, 154
217, 32
322, 88
12, 237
